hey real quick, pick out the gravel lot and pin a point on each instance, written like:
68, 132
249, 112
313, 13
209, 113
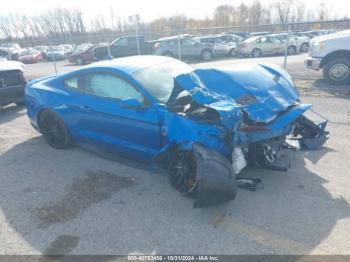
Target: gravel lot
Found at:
76, 202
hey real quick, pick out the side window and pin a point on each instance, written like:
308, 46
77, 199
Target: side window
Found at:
275, 40
188, 42
107, 85
263, 40
71, 82
132, 40
121, 42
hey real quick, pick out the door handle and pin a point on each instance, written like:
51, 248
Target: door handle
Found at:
84, 107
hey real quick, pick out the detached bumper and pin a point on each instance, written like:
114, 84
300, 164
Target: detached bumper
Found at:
312, 63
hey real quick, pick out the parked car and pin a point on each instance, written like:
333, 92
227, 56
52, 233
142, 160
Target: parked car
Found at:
219, 46
11, 49
314, 33
332, 54
264, 45
82, 46
82, 55
55, 53
301, 42
122, 46
244, 35
203, 124
68, 48
260, 33
189, 48
42, 49
231, 38
30, 55
12, 83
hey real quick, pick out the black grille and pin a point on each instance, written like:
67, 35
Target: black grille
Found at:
246, 100
11, 78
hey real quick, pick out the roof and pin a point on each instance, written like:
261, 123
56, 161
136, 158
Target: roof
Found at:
132, 64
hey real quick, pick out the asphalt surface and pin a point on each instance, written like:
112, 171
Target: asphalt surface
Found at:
76, 202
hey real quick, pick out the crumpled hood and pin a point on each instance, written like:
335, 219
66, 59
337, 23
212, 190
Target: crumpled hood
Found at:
261, 90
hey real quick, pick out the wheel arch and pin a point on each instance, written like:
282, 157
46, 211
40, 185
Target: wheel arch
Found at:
333, 55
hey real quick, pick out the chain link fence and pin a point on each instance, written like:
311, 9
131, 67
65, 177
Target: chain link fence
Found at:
149, 34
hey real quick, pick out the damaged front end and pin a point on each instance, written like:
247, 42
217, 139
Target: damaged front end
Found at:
222, 120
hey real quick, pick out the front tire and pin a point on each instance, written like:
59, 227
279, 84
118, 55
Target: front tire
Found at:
182, 173
80, 61
233, 53
337, 71
54, 130
206, 55
304, 47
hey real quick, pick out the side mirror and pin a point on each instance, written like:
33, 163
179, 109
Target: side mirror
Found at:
130, 103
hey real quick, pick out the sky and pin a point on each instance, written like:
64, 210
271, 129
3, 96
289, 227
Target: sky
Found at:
148, 9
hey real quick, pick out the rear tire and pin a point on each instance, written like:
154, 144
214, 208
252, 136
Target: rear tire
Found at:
337, 71
291, 50
256, 52
54, 130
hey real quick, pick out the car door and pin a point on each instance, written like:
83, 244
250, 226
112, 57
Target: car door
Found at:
106, 122
278, 45
189, 48
267, 45
120, 48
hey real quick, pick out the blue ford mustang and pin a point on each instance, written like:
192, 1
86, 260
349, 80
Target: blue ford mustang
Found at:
205, 124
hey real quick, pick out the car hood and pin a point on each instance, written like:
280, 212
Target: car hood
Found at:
339, 36
11, 65
261, 91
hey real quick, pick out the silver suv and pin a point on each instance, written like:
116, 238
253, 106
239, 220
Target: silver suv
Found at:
189, 48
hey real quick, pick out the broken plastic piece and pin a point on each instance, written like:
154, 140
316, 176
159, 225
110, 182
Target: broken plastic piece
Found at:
313, 136
251, 184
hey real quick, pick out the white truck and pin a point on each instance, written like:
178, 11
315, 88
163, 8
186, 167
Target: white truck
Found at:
332, 54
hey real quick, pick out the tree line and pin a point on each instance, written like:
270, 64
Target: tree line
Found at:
64, 23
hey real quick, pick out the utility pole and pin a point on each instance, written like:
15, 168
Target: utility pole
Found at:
286, 49
134, 20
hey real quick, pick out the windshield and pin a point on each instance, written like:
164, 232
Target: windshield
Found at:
27, 52
55, 48
158, 80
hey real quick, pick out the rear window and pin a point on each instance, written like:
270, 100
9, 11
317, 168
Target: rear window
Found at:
71, 82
